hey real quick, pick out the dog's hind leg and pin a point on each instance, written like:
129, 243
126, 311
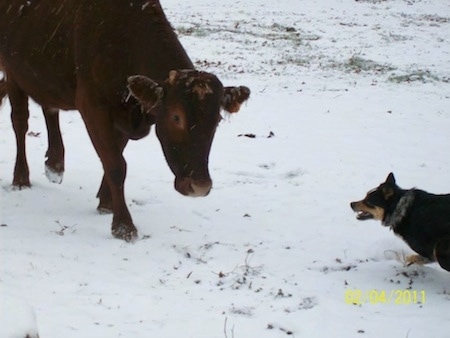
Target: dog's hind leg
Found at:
442, 253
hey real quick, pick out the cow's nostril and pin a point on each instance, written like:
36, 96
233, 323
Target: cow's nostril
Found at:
191, 187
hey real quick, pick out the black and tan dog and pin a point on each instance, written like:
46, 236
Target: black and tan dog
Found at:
421, 219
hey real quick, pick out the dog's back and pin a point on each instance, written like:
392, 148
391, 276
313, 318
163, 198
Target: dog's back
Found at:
426, 223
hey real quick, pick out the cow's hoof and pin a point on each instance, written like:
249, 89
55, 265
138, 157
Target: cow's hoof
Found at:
21, 185
124, 232
104, 209
54, 176
21, 179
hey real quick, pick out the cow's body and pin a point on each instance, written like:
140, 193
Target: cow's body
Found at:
81, 54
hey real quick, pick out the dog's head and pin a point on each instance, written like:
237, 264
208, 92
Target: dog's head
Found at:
377, 202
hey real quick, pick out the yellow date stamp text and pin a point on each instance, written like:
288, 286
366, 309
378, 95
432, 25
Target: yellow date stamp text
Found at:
374, 296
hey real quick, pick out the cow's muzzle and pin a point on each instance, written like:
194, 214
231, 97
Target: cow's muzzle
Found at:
189, 186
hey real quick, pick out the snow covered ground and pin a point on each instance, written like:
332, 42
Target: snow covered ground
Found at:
349, 91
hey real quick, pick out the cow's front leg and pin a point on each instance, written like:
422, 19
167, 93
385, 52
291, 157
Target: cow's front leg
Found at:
109, 148
54, 165
122, 224
105, 205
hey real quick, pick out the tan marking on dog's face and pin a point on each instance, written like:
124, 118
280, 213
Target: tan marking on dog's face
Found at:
377, 213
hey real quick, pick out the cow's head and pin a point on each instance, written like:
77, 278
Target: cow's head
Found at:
187, 107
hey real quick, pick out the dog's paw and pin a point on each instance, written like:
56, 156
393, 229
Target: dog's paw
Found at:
416, 259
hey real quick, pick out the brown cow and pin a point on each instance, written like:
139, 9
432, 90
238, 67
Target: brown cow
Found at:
84, 54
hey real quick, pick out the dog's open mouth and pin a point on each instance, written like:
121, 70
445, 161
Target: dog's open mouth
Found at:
363, 215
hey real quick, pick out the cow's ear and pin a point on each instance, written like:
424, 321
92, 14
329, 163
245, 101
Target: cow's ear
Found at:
233, 97
146, 91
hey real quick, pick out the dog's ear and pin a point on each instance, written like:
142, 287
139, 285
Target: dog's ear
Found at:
388, 192
390, 179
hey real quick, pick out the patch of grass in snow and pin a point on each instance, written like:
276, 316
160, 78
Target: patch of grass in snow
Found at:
391, 37
434, 18
293, 47
371, 1
193, 30
246, 311
248, 32
431, 19
358, 64
297, 60
423, 76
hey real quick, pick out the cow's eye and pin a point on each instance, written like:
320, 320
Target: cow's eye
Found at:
176, 118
